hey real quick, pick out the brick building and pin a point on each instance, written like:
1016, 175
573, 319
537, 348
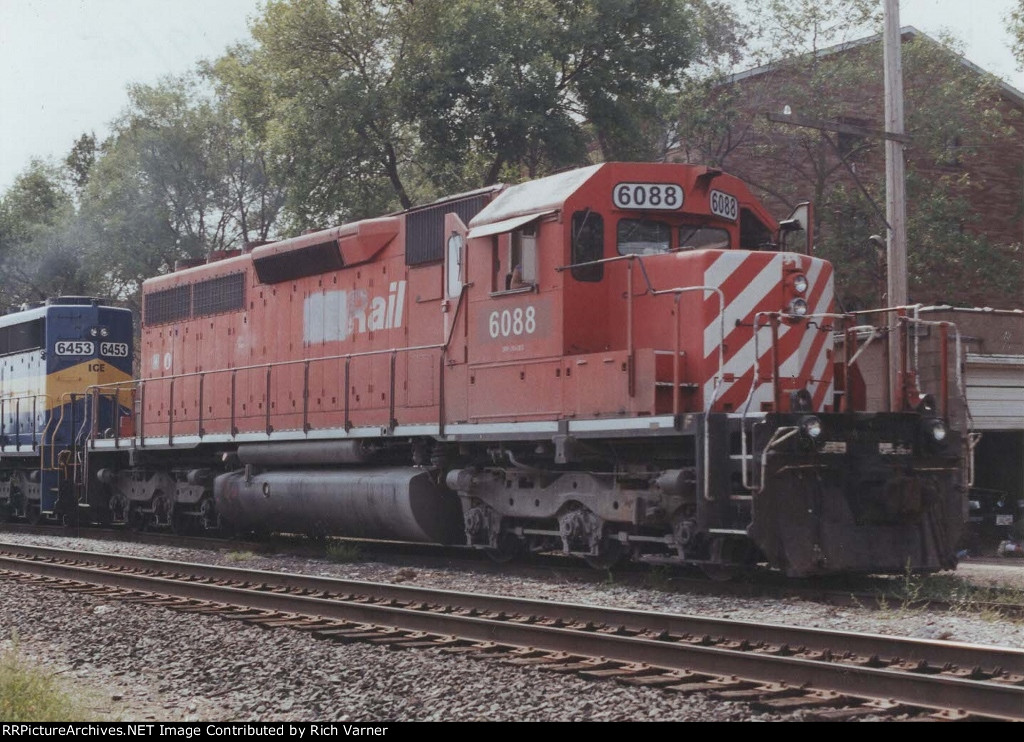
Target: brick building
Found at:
965, 164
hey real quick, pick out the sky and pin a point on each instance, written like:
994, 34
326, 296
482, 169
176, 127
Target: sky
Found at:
65, 64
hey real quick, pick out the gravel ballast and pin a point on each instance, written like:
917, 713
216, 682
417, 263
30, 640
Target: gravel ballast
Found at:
142, 663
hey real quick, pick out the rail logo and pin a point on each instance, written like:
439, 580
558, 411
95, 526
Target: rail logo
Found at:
338, 315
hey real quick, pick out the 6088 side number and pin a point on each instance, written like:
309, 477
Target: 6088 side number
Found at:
512, 322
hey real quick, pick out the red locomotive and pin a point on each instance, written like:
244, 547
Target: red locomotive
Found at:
620, 360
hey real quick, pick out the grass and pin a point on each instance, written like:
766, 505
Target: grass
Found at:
29, 694
343, 552
912, 591
239, 556
659, 578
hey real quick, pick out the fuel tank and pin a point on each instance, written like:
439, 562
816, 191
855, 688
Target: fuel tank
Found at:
403, 504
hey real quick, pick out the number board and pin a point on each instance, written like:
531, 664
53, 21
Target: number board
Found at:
724, 205
74, 348
114, 350
648, 196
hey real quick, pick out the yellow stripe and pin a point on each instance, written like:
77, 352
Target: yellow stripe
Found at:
76, 379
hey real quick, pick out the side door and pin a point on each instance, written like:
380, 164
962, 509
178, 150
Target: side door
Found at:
455, 319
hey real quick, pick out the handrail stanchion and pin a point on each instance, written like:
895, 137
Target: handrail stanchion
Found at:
392, 421
776, 391
631, 375
170, 415
266, 403
944, 374
234, 377
675, 358
305, 397
348, 381
199, 423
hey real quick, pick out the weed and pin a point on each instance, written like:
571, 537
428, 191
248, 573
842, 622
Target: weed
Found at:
28, 694
239, 556
343, 552
659, 578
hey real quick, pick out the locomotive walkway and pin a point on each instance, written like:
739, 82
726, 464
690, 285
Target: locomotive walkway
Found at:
842, 675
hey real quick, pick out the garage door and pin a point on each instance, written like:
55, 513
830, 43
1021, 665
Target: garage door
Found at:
995, 391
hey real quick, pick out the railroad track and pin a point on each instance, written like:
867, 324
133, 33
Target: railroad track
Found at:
832, 674
859, 592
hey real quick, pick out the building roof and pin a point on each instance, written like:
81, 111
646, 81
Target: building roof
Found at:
907, 32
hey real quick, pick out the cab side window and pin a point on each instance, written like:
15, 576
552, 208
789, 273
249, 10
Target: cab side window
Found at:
523, 257
587, 246
754, 234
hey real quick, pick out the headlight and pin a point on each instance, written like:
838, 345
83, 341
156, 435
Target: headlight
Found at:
800, 283
94, 331
104, 332
797, 307
937, 429
811, 427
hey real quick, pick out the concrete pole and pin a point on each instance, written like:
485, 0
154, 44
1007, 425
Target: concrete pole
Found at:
895, 189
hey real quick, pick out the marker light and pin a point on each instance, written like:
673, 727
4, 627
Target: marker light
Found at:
937, 428
812, 427
797, 307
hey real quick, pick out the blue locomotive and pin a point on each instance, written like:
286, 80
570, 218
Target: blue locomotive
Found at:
51, 353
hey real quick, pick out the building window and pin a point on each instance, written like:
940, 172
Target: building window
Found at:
850, 144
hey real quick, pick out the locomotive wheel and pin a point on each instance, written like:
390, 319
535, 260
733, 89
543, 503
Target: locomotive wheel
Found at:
208, 518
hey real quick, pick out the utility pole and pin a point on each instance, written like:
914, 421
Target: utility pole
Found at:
895, 190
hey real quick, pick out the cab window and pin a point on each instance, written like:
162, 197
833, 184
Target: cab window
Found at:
514, 260
643, 237
587, 245
754, 234
703, 238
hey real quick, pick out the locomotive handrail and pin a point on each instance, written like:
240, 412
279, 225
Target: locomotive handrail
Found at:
138, 385
774, 317
961, 384
945, 325
70, 397
709, 403
17, 417
677, 292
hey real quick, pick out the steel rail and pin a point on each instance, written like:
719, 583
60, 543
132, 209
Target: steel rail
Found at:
885, 647
920, 687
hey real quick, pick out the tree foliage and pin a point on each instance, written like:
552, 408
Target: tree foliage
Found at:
178, 180
813, 70
37, 253
1016, 26
368, 105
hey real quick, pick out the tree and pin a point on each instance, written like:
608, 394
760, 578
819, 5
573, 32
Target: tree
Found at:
1016, 25
369, 105
178, 180
952, 113
39, 254
80, 160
